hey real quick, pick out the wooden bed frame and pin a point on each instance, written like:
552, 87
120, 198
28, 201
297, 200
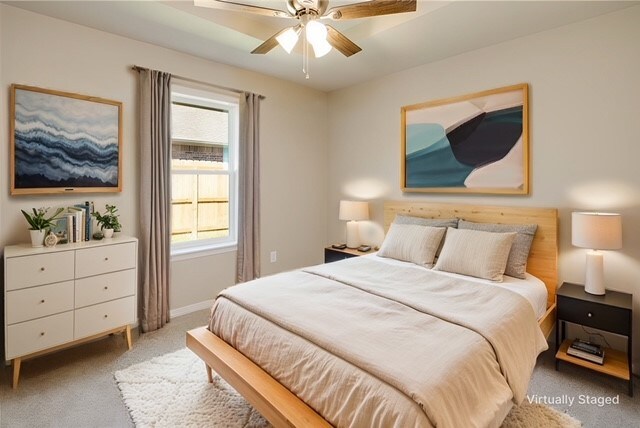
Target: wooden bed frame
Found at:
283, 408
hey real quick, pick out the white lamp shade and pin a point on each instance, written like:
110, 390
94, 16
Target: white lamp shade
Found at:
321, 48
596, 231
316, 31
354, 210
288, 39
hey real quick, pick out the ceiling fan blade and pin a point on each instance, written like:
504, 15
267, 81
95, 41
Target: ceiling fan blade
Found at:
371, 8
341, 42
239, 7
269, 44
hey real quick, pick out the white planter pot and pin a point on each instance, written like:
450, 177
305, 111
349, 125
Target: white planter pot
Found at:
108, 233
37, 237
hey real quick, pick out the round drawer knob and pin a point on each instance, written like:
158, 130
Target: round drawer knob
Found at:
42, 333
106, 316
106, 259
589, 314
42, 269
42, 301
106, 288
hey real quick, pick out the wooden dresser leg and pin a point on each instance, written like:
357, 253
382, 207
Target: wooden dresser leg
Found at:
127, 335
209, 373
16, 372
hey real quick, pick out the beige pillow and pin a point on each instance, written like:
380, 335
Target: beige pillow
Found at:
475, 253
517, 261
412, 243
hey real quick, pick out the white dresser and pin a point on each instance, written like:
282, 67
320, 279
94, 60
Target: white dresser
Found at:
71, 293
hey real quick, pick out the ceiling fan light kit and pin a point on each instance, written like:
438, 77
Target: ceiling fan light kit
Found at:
321, 37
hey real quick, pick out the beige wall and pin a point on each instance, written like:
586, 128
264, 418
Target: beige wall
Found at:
49, 53
585, 128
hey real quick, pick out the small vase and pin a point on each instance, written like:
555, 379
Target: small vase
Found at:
108, 233
37, 238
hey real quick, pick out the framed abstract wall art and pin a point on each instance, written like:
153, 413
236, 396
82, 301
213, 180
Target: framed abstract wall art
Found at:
64, 143
477, 143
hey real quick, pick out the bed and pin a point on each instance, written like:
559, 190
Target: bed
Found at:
362, 365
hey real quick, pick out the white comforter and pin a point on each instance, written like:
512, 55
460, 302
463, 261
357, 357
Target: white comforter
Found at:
368, 344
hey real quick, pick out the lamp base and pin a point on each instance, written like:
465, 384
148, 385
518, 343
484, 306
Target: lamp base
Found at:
594, 278
353, 237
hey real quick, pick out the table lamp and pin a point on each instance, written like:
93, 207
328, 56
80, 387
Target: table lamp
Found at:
596, 231
352, 211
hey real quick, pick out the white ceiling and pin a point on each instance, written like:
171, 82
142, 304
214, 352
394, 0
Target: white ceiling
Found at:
437, 30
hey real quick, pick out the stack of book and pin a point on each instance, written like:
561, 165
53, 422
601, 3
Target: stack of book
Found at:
75, 224
587, 351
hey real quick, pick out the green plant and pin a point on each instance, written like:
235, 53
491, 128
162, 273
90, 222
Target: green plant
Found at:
108, 220
39, 219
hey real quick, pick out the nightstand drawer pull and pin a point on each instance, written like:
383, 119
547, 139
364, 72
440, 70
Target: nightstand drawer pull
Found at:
589, 314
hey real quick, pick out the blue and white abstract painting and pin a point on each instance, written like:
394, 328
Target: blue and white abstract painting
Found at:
476, 143
65, 142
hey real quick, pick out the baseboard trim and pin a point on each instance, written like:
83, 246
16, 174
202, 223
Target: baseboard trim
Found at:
190, 308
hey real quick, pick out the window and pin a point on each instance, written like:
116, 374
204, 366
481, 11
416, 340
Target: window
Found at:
204, 135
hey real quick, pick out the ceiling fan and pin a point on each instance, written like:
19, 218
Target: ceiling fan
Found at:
309, 13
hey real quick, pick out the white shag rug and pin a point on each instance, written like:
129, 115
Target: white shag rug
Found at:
172, 391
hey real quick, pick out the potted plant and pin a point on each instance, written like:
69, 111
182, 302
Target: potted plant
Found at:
108, 221
39, 223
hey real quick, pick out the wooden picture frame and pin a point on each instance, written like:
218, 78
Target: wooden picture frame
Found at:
63, 142
475, 143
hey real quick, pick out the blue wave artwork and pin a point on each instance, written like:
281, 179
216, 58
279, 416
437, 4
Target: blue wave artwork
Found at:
64, 142
435, 158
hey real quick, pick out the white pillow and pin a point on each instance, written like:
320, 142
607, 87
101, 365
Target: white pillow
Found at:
475, 253
412, 243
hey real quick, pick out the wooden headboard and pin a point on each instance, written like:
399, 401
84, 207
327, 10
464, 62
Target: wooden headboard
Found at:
543, 258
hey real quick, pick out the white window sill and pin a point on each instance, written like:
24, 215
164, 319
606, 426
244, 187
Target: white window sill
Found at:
201, 251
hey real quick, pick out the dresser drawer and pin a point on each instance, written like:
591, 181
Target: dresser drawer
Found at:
27, 271
32, 336
102, 288
104, 316
104, 259
37, 302
602, 317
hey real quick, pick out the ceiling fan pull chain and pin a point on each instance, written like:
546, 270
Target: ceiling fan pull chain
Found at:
305, 52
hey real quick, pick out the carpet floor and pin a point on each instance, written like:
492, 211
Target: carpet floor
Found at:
76, 387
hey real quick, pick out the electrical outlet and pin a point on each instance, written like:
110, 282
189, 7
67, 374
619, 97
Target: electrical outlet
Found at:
274, 256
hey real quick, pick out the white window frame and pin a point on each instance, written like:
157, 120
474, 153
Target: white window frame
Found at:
212, 99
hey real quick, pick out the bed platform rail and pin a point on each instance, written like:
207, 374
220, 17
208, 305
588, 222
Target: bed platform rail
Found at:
275, 402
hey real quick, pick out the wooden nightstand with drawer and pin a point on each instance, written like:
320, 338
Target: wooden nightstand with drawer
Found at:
611, 312
334, 254
68, 294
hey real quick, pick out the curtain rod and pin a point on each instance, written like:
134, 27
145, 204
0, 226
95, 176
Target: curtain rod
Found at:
237, 91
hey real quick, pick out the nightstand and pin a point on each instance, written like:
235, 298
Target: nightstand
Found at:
612, 313
333, 254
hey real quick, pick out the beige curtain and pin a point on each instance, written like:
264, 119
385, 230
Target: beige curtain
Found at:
248, 263
155, 196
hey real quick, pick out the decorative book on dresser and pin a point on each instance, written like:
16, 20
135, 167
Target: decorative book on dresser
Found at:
68, 294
